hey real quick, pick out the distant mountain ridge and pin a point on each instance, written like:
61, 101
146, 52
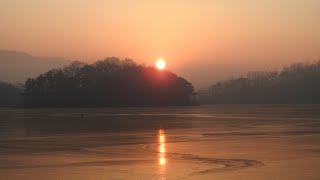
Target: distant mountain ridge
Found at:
17, 66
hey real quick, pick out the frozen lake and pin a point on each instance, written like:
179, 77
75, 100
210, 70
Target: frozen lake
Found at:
259, 142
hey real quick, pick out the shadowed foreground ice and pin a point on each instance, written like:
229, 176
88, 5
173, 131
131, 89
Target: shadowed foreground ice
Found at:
205, 142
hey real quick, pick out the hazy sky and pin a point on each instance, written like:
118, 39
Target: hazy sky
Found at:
196, 37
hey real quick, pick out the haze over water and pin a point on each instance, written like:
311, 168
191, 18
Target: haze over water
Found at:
205, 142
199, 39
66, 68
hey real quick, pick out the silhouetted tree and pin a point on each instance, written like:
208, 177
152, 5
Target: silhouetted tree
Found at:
297, 83
111, 82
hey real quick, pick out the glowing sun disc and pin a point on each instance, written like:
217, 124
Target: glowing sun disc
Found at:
161, 64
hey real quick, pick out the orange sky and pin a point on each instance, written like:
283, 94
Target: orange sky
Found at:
239, 34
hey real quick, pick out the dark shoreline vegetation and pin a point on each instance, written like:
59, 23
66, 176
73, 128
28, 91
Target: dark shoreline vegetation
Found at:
123, 83
107, 83
298, 83
8, 94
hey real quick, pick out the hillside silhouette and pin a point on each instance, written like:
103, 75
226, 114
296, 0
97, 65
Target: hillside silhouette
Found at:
109, 82
294, 84
17, 66
8, 94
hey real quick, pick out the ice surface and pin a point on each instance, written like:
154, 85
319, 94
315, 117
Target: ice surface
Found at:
203, 142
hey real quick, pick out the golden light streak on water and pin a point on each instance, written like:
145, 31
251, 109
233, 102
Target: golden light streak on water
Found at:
162, 148
162, 153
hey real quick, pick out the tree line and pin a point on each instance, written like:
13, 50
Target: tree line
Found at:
296, 83
8, 94
109, 82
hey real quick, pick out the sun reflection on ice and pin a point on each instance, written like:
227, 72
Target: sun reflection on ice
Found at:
162, 151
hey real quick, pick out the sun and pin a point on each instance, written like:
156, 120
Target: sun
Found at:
161, 64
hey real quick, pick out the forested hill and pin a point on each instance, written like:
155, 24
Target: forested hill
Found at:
294, 84
111, 82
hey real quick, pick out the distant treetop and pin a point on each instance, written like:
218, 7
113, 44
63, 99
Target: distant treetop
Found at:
297, 83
